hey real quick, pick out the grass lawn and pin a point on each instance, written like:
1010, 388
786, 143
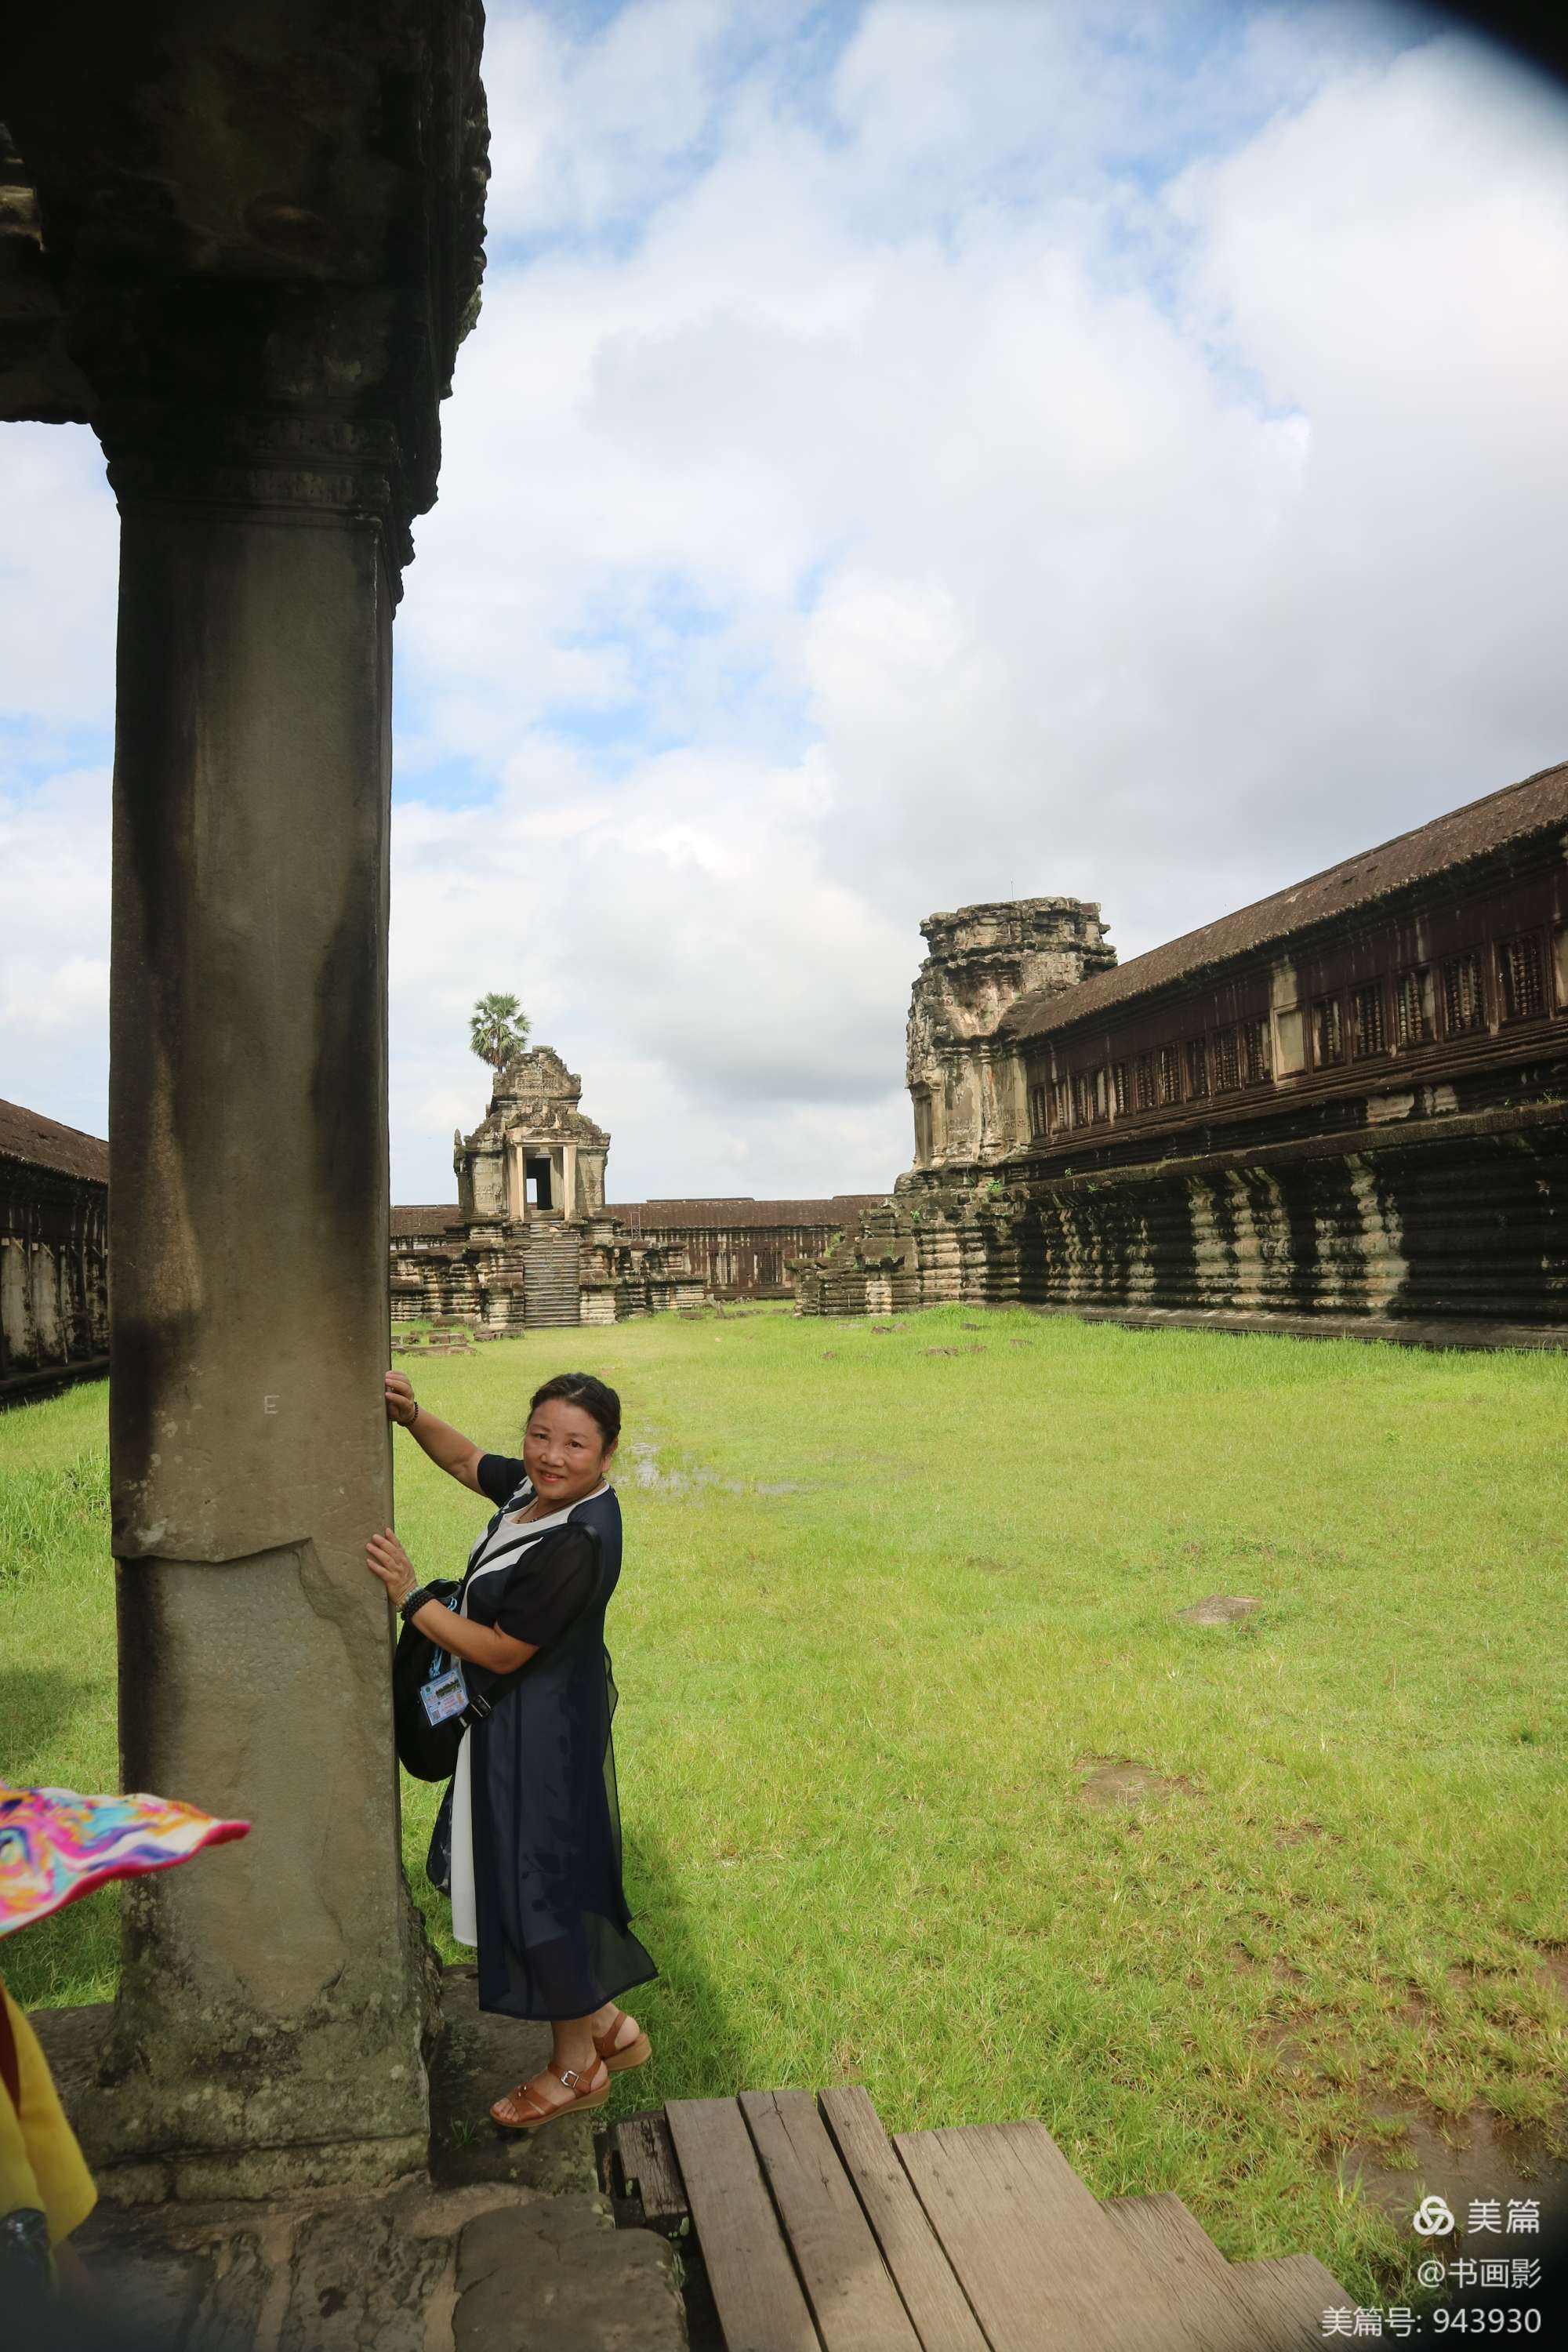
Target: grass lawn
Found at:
892, 1597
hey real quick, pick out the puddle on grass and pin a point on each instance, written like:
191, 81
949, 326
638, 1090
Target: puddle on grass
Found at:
1475, 2158
648, 1475
1407, 2149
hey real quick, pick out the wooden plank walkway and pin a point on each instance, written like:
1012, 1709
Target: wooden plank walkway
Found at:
821, 2234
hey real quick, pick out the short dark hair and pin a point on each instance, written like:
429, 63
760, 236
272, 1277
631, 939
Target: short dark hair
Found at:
582, 1389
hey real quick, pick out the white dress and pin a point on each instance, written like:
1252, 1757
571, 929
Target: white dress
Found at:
464, 1923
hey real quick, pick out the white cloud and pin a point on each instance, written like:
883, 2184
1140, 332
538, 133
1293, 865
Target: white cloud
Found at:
947, 451
54, 947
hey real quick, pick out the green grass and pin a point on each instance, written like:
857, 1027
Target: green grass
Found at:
856, 1718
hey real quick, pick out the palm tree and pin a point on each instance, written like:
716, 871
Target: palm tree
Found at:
497, 1028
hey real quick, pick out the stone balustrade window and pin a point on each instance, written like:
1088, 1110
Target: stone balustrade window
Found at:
1226, 1062
1039, 1118
1464, 994
1369, 1022
1061, 1107
1121, 1088
1521, 978
1082, 1099
1412, 1007
1197, 1068
1328, 1032
1144, 1073
1170, 1075
1254, 1053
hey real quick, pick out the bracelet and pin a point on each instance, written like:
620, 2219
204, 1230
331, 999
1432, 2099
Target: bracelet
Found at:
416, 1600
414, 1416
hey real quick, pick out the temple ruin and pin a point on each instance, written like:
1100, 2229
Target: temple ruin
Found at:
529, 1240
54, 1253
530, 1243
1344, 1107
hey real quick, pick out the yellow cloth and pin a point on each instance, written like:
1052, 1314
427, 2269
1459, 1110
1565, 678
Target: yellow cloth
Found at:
40, 2164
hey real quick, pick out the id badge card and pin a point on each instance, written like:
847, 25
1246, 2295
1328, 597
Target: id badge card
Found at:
445, 1694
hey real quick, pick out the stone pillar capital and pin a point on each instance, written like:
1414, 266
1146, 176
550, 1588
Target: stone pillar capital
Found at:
313, 465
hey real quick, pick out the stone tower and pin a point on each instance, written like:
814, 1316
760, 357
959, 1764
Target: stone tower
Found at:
967, 1082
533, 1156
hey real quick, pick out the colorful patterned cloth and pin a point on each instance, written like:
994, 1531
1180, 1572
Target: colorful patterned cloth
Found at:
56, 1845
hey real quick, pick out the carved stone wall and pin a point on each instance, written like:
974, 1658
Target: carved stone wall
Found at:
744, 1248
54, 1253
1348, 1102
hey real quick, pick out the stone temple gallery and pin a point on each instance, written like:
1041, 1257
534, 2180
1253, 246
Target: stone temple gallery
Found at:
1345, 1105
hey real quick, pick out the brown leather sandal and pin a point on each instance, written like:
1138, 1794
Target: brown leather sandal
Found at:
632, 2053
529, 2111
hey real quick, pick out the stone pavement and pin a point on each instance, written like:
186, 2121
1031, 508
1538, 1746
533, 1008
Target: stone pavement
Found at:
507, 2245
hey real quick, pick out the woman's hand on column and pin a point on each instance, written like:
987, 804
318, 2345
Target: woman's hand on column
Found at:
385, 1558
401, 1402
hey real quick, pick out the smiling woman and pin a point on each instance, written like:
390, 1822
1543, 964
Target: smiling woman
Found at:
528, 1842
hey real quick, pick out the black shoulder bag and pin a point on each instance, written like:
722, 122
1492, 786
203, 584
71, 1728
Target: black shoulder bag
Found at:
428, 1750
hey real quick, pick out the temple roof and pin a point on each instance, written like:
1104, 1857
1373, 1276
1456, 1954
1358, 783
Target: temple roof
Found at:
444, 1216
741, 1210
45, 1143
1537, 804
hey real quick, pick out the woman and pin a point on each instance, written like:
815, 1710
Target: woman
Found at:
528, 1841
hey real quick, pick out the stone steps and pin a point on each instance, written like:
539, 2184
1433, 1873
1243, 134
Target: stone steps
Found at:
552, 1276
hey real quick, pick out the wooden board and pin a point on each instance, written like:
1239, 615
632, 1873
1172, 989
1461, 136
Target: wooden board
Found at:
1286, 2296
1045, 2266
1275, 2305
932, 2296
1177, 2244
853, 2299
1167, 2234
649, 2171
761, 2304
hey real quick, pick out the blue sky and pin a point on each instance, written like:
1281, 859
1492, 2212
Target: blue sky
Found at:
910, 453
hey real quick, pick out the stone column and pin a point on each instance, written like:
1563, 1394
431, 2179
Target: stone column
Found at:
516, 1184
269, 2026
569, 1180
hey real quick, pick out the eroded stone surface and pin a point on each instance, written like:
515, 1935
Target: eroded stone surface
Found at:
363, 2275
560, 2275
486, 2267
